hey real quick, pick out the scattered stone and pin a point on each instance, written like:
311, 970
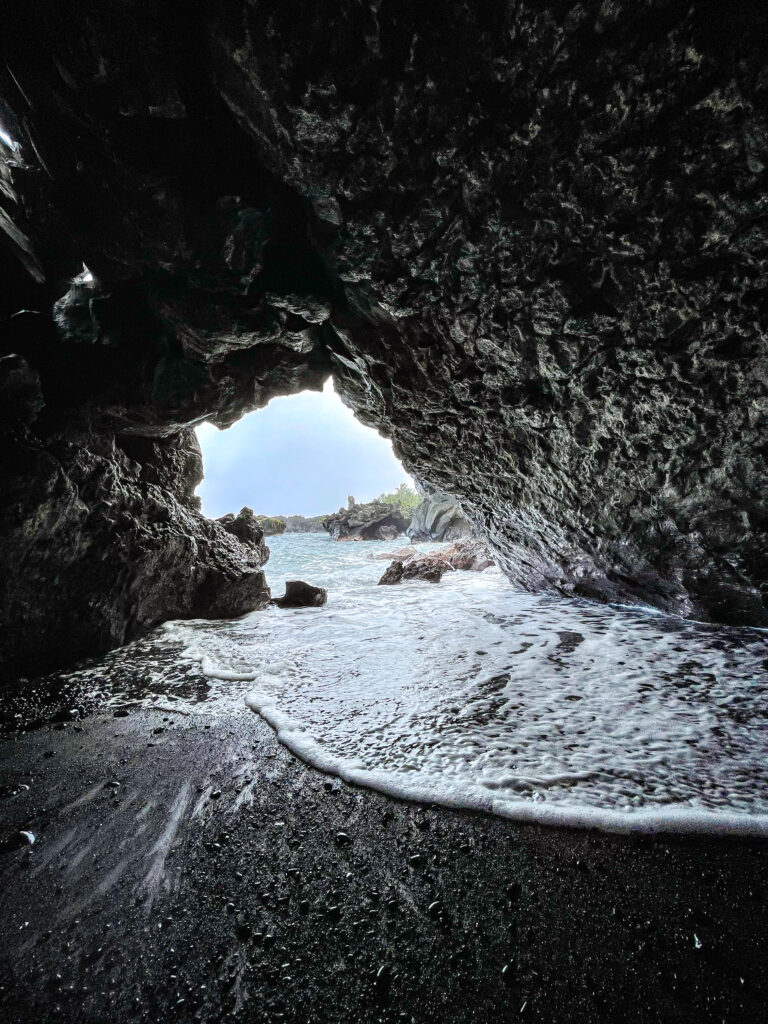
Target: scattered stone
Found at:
299, 594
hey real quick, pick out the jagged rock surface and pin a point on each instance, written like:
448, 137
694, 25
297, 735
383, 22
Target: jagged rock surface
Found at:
373, 520
529, 240
108, 543
425, 568
438, 518
466, 555
248, 528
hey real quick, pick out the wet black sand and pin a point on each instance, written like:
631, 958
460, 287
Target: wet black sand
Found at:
213, 883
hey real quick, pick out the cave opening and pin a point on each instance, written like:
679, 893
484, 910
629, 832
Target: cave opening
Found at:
303, 455
529, 243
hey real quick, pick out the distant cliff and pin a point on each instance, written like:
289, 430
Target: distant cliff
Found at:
303, 524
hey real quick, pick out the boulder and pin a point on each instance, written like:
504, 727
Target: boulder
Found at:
427, 568
374, 520
471, 555
299, 594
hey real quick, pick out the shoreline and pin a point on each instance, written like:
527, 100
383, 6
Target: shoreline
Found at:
221, 878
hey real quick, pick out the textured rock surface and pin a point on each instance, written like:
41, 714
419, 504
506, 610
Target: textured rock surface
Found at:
299, 594
529, 240
248, 528
438, 518
107, 543
373, 520
426, 568
468, 555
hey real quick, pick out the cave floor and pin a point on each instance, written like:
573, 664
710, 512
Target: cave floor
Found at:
221, 878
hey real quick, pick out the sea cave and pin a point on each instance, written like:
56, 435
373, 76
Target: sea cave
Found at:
499, 751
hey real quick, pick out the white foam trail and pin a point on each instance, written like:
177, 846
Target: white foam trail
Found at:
535, 708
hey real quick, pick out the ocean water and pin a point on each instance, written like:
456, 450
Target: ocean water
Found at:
471, 694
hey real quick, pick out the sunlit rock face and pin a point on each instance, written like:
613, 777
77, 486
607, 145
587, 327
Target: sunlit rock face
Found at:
528, 239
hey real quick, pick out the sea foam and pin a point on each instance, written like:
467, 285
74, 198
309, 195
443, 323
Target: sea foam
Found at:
473, 695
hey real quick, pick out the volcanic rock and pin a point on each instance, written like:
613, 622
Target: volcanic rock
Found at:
468, 555
271, 525
374, 520
426, 567
301, 595
248, 528
528, 241
438, 518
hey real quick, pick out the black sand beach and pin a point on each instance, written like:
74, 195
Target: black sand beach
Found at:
186, 867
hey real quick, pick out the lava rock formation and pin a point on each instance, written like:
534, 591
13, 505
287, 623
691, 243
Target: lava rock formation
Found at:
373, 520
529, 241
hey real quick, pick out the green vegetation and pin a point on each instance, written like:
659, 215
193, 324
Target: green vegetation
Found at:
405, 496
271, 525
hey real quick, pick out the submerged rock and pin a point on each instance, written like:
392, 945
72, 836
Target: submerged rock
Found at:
402, 555
299, 594
431, 566
374, 520
426, 568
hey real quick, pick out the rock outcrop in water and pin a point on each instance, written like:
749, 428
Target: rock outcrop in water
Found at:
299, 594
303, 524
111, 539
438, 518
528, 240
271, 525
426, 569
467, 555
374, 520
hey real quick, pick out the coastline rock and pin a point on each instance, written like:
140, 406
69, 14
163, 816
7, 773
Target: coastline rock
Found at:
438, 518
116, 524
299, 594
468, 555
374, 520
246, 527
271, 525
426, 568
303, 524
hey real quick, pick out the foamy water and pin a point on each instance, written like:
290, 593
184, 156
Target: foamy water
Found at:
470, 694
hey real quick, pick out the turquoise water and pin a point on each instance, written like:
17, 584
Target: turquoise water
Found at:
472, 694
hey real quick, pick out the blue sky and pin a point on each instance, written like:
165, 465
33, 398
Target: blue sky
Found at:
300, 455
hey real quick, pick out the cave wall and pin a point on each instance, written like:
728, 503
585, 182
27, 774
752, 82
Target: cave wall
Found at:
528, 239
